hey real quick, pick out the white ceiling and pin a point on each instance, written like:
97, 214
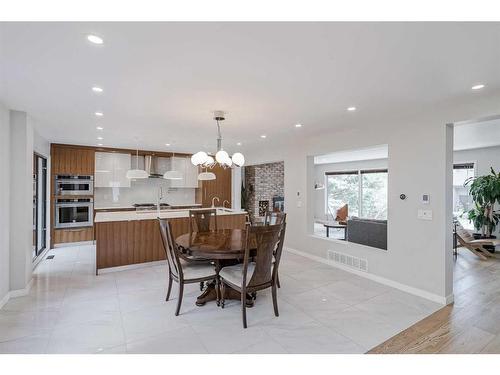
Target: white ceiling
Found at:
369, 153
162, 80
477, 134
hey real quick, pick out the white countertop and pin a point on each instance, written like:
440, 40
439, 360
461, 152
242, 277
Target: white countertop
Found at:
102, 217
96, 207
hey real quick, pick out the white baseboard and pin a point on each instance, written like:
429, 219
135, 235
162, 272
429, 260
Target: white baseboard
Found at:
382, 280
131, 266
16, 293
21, 292
4, 300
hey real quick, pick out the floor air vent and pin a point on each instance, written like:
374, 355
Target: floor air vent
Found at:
348, 260
50, 257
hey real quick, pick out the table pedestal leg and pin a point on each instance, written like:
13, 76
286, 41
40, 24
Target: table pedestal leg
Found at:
210, 294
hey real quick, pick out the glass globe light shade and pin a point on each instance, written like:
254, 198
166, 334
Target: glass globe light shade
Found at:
238, 159
221, 156
209, 162
199, 158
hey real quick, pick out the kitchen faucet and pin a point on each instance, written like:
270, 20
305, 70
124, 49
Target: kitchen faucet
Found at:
214, 198
159, 198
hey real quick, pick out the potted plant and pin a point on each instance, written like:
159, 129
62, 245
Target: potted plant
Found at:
485, 191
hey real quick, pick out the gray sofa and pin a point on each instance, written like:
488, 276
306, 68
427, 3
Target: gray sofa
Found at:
367, 232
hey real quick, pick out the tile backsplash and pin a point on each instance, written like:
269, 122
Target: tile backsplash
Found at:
142, 191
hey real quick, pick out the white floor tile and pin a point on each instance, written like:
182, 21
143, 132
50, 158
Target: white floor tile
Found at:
322, 310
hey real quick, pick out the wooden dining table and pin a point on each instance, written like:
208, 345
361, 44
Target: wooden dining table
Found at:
224, 247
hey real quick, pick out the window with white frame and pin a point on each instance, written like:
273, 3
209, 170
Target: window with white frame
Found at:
462, 200
364, 191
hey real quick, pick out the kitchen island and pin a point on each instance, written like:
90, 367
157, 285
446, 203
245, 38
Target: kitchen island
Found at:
125, 238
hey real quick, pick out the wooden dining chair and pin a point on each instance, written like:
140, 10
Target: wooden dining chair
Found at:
273, 218
180, 270
202, 219
261, 273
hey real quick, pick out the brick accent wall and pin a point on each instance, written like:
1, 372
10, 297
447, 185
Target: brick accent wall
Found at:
262, 183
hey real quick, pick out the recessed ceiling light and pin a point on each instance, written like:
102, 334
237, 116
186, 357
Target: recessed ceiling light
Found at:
100, 138
263, 136
99, 114
97, 89
477, 87
238, 144
167, 144
298, 125
99, 128
99, 144
95, 39
350, 109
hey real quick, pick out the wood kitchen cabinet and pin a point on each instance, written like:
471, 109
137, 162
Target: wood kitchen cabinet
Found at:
73, 235
220, 188
111, 169
72, 160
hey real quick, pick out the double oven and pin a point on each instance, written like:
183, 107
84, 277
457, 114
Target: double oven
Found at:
74, 206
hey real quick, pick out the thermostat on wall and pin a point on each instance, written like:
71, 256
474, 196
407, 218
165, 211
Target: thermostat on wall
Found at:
426, 198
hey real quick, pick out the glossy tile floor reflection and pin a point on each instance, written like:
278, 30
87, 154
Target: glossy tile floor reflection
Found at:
322, 310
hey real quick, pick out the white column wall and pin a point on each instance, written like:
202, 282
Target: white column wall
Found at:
4, 203
21, 198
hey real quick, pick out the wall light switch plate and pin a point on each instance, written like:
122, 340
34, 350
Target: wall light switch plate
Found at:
424, 214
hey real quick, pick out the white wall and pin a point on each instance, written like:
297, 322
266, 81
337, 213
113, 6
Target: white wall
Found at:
419, 257
319, 196
4, 203
21, 196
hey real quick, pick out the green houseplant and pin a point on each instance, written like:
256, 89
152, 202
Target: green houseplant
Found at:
485, 191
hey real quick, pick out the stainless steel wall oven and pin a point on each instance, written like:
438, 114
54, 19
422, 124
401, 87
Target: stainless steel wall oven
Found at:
71, 213
74, 185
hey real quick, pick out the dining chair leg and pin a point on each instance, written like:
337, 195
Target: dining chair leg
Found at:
275, 300
179, 301
278, 281
217, 290
244, 308
223, 293
169, 288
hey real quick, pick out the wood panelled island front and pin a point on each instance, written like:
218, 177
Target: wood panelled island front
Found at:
126, 238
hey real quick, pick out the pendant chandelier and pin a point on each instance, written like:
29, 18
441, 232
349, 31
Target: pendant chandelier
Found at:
134, 174
172, 174
222, 158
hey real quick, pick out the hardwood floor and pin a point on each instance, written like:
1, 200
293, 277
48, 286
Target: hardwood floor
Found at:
470, 325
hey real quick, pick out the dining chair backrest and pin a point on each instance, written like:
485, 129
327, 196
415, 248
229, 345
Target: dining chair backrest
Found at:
274, 218
199, 220
170, 247
279, 249
264, 240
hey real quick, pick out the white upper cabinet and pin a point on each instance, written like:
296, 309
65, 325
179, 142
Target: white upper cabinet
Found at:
188, 170
111, 169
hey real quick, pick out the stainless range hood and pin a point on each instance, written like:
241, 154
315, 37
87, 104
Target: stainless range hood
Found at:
151, 166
